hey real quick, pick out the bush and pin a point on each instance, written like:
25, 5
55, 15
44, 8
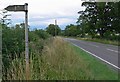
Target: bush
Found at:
13, 44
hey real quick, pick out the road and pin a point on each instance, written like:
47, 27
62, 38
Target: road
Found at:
104, 52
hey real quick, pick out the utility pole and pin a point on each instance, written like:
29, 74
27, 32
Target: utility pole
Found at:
55, 26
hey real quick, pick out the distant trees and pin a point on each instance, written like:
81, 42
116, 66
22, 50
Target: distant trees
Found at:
72, 30
38, 33
53, 29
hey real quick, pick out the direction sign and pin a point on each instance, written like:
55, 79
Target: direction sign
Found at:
16, 8
25, 9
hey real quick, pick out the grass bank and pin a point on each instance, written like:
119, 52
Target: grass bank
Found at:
59, 60
98, 69
63, 63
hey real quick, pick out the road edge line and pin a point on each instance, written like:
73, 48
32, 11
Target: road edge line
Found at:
97, 56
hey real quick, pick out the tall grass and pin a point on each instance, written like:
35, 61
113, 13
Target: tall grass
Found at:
57, 61
62, 62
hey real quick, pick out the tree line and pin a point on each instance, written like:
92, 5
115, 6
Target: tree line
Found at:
98, 20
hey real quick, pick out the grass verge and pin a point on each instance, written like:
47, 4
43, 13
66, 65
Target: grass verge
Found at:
98, 69
58, 60
61, 62
104, 41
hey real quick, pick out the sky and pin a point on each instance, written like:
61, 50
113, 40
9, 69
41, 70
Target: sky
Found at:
41, 13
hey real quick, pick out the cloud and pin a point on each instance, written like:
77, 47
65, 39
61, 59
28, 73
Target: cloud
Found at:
44, 12
62, 22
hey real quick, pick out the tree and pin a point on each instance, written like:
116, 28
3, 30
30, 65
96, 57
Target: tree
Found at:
4, 20
41, 33
99, 18
72, 30
87, 18
53, 29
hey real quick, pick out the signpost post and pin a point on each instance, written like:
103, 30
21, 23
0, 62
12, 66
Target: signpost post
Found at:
23, 8
55, 26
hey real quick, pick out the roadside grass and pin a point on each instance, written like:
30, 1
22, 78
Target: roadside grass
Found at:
59, 60
104, 41
63, 63
99, 70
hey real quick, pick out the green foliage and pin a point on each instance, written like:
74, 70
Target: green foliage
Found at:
111, 40
13, 40
53, 29
72, 30
42, 34
100, 18
13, 43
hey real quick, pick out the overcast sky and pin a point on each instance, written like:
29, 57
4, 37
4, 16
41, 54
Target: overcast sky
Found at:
44, 12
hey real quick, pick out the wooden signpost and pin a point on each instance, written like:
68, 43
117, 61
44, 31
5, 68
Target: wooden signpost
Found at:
23, 8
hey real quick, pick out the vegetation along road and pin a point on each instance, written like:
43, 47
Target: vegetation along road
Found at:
106, 53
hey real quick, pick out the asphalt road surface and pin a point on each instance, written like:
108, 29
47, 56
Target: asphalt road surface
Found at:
104, 52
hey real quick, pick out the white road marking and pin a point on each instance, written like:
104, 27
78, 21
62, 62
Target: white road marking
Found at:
72, 39
112, 50
93, 45
97, 57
